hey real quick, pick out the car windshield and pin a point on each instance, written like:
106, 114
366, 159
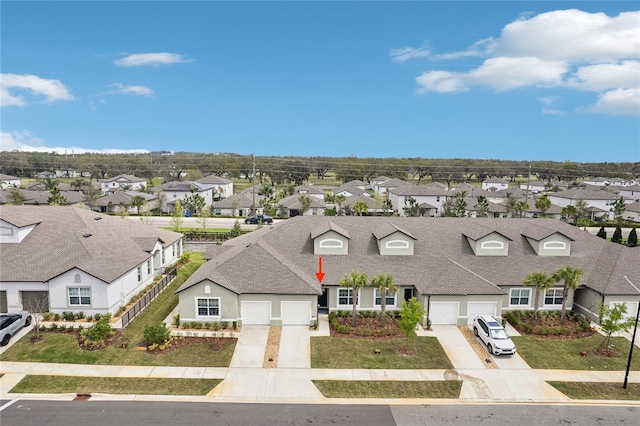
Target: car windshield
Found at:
499, 334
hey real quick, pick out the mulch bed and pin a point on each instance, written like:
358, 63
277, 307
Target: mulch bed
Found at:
215, 344
550, 327
368, 328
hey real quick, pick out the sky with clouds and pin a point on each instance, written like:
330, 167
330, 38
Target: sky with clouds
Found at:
510, 80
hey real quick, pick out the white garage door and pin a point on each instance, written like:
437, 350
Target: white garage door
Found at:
632, 308
255, 313
296, 313
480, 308
444, 313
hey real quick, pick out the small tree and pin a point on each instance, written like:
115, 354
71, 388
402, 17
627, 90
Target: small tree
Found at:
339, 200
540, 281
162, 201
632, 241
138, 201
305, 203
411, 314
236, 231
354, 281
37, 306
360, 207
145, 217
411, 207
123, 212
612, 320
56, 198
482, 206
384, 284
16, 197
194, 203
460, 204
177, 215
617, 235
203, 217
602, 233
235, 204
157, 333
618, 209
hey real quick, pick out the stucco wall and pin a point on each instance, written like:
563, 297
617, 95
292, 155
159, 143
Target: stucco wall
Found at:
229, 307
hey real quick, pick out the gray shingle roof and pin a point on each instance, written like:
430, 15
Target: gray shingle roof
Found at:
213, 180
327, 226
389, 228
124, 177
280, 258
57, 245
293, 202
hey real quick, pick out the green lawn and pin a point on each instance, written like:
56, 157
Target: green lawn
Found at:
115, 385
546, 353
388, 389
599, 390
64, 348
344, 352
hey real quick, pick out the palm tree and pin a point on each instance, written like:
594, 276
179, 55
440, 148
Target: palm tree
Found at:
384, 284
360, 207
571, 278
355, 281
339, 199
138, 201
482, 206
541, 281
543, 204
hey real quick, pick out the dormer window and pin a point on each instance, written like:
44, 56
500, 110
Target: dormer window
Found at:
394, 241
329, 238
549, 243
486, 242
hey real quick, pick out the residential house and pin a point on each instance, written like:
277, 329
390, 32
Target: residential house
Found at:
71, 259
122, 182
349, 191
429, 198
632, 192
223, 187
388, 185
178, 190
67, 173
293, 207
599, 200
598, 181
536, 186
457, 268
45, 174
358, 184
112, 202
373, 205
41, 198
8, 180
310, 190
236, 205
632, 211
373, 183
494, 184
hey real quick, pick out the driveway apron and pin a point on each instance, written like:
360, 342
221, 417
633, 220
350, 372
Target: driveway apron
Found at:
295, 347
250, 348
457, 348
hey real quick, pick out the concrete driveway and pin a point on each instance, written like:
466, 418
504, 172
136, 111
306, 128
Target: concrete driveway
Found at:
250, 348
295, 347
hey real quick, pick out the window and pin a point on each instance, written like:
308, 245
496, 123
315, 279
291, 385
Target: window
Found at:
149, 267
391, 299
397, 244
77, 278
163, 258
492, 245
438, 198
345, 296
208, 307
554, 245
519, 296
80, 296
331, 243
553, 296
139, 273
173, 250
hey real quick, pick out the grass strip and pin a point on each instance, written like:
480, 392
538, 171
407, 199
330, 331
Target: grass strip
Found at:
115, 385
388, 389
548, 353
599, 390
339, 352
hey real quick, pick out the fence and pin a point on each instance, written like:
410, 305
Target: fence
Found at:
194, 235
147, 298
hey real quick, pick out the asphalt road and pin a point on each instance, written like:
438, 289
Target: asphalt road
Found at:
95, 413
192, 222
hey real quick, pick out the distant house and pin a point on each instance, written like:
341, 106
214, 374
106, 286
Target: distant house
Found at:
45, 174
178, 190
373, 183
112, 202
357, 183
373, 205
293, 206
429, 198
387, 185
536, 186
236, 205
78, 260
310, 190
68, 173
494, 184
632, 192
120, 182
40, 198
598, 199
8, 180
598, 181
349, 191
632, 211
223, 187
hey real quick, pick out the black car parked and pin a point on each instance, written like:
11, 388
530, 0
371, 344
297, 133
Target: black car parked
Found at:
254, 220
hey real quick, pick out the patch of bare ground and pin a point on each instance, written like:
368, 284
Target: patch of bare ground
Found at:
478, 347
272, 349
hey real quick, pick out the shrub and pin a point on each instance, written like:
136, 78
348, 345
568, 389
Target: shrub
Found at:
99, 331
344, 329
207, 325
185, 257
97, 317
56, 317
543, 331
47, 316
224, 325
527, 327
68, 316
157, 333
54, 326
176, 320
62, 327
513, 317
89, 318
332, 315
235, 325
215, 326
197, 325
79, 315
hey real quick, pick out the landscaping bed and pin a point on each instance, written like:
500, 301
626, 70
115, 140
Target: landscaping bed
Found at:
599, 390
388, 388
115, 385
368, 325
549, 325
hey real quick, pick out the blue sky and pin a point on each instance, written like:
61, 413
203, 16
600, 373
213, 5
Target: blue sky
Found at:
507, 80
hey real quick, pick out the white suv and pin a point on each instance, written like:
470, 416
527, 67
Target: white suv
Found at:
10, 324
492, 334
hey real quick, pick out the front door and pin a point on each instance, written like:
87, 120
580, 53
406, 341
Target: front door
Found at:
408, 294
323, 300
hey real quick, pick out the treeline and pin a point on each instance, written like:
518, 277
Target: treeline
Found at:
297, 170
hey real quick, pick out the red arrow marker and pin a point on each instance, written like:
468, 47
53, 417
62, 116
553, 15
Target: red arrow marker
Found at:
320, 274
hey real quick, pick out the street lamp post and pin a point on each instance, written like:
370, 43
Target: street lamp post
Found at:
633, 338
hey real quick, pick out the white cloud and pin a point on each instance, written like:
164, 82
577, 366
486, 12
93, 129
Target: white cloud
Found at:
406, 53
152, 59
548, 100
14, 88
123, 89
552, 111
563, 48
25, 141
617, 102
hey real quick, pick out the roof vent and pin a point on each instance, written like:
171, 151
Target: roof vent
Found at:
86, 235
97, 218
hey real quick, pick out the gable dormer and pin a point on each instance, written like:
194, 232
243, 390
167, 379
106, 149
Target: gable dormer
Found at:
394, 241
13, 234
329, 238
485, 242
549, 243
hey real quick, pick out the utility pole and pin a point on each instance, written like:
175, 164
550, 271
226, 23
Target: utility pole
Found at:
526, 198
253, 189
633, 339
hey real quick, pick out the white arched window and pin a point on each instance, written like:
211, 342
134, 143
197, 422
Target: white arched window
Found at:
397, 244
331, 243
207, 289
77, 278
554, 245
492, 245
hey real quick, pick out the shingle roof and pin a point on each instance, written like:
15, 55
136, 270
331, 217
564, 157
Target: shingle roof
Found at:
588, 193
325, 227
183, 186
443, 261
213, 180
309, 189
243, 202
389, 228
419, 190
129, 178
371, 202
57, 245
293, 202
349, 188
